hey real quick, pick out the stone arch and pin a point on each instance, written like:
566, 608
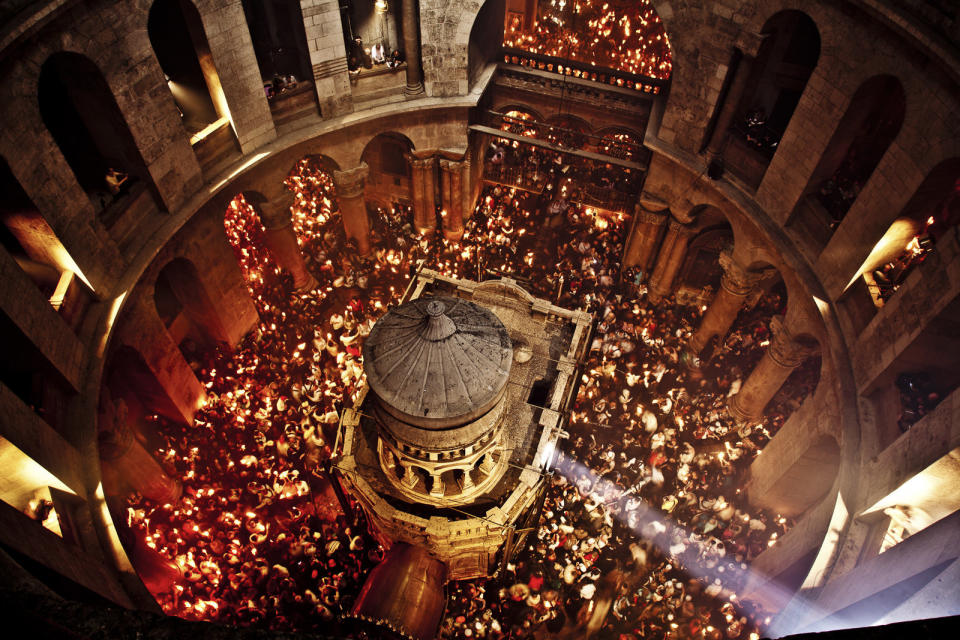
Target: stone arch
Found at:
389, 178
129, 378
180, 44
774, 81
79, 110
186, 308
33, 244
483, 43
868, 127
515, 106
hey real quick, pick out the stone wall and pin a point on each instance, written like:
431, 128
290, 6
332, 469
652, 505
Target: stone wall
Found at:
444, 35
232, 48
328, 55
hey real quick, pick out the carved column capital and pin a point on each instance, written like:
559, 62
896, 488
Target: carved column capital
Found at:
654, 218
786, 349
452, 165
736, 278
422, 164
680, 229
350, 183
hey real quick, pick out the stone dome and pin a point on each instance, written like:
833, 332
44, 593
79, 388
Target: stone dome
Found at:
438, 362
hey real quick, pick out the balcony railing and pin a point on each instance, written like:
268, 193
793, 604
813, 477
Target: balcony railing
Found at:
574, 69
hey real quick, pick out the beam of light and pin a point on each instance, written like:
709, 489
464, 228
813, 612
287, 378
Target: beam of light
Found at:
111, 318
243, 167
726, 572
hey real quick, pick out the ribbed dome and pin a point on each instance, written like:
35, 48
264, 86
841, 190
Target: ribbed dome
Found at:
440, 361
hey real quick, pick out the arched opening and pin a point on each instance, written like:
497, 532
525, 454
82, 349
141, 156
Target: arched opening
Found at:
567, 131
177, 37
701, 271
861, 138
369, 25
283, 57
388, 182
485, 38
621, 143
775, 80
79, 110
924, 373
34, 246
27, 372
187, 311
932, 211
180, 44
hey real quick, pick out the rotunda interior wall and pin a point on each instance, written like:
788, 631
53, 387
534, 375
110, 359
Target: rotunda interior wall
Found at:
854, 47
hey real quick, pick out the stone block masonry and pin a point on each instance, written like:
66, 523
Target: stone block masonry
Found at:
328, 56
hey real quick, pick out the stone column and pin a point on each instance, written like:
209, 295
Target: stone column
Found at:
437, 489
328, 56
736, 285
729, 108
411, 46
282, 242
784, 354
486, 463
409, 478
423, 185
643, 239
467, 480
673, 249
452, 196
353, 208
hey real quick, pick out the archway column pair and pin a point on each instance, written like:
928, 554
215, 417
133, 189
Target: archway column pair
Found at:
453, 188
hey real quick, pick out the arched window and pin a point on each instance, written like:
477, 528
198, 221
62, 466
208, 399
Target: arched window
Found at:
180, 44
867, 129
280, 45
776, 80
80, 112
186, 309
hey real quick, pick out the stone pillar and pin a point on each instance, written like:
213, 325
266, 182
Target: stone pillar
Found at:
235, 69
123, 454
423, 185
486, 463
783, 355
729, 108
282, 242
452, 182
411, 46
353, 208
467, 480
736, 285
437, 489
409, 478
646, 230
673, 249
328, 56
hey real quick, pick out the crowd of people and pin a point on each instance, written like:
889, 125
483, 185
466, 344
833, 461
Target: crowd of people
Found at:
583, 180
616, 34
642, 515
